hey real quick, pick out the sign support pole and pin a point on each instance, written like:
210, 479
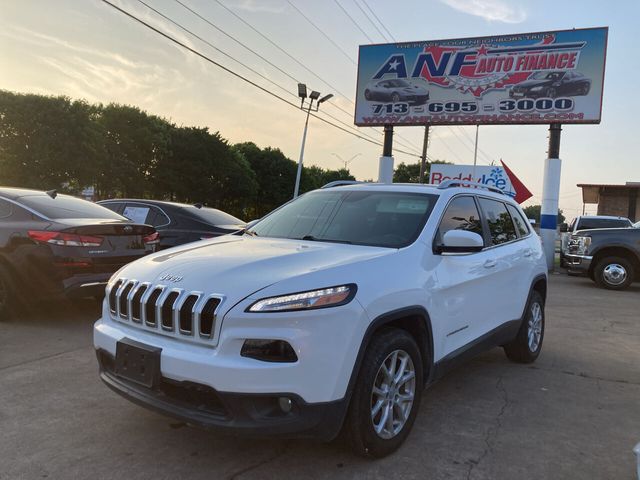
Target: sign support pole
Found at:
475, 155
423, 162
385, 167
550, 195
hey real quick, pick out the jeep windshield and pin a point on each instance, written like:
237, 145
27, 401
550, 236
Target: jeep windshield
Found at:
380, 219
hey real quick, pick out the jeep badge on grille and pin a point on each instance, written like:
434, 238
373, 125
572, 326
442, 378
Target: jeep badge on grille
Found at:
171, 278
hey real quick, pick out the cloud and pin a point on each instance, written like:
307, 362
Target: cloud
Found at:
491, 10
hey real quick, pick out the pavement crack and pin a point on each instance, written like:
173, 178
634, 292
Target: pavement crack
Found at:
586, 375
39, 359
271, 458
492, 432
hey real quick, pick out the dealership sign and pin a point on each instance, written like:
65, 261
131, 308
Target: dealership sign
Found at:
491, 176
527, 78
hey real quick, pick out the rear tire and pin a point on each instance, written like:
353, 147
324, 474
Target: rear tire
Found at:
614, 273
528, 343
387, 395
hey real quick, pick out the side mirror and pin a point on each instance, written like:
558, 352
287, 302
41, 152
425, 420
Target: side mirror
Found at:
564, 228
461, 241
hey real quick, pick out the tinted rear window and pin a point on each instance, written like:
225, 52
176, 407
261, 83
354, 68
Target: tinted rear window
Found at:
589, 223
65, 206
499, 221
212, 216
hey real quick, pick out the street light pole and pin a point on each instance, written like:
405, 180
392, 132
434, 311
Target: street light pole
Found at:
302, 93
304, 139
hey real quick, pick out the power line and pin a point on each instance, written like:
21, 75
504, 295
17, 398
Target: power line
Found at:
406, 142
370, 21
376, 17
284, 89
232, 72
353, 21
322, 32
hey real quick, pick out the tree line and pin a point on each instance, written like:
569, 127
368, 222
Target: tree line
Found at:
51, 142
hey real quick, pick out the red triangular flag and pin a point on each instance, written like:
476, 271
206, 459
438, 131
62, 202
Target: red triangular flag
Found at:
522, 192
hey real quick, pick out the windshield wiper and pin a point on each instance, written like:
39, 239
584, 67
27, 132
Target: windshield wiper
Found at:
316, 239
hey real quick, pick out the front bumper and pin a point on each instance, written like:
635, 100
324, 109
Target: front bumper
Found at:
579, 264
235, 413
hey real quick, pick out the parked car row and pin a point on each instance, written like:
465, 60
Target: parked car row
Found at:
54, 245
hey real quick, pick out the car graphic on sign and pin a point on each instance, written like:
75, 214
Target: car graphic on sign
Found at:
552, 85
396, 90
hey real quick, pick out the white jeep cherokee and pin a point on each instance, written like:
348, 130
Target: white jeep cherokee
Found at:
331, 313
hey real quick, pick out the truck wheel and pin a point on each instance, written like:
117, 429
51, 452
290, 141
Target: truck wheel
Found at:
528, 343
387, 395
614, 273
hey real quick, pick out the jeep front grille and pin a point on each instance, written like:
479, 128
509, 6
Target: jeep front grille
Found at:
164, 310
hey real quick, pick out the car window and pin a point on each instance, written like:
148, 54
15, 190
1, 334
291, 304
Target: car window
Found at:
157, 218
500, 224
6, 208
114, 206
365, 217
521, 224
66, 206
461, 214
136, 213
589, 223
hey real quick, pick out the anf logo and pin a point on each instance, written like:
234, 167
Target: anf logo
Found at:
483, 67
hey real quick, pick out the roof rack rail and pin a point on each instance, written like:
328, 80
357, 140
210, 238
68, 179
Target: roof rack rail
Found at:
462, 183
339, 183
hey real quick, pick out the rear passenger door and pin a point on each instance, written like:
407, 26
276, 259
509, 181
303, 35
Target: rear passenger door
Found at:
507, 268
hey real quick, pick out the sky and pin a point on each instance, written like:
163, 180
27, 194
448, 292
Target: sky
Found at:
86, 49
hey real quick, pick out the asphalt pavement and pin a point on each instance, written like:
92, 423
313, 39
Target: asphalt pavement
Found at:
574, 414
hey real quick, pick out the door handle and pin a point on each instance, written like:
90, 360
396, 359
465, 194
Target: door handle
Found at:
490, 264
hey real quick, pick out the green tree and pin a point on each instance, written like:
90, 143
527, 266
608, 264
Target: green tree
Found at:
275, 175
533, 211
134, 143
47, 142
410, 173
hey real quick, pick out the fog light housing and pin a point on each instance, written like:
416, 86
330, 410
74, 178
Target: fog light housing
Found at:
277, 351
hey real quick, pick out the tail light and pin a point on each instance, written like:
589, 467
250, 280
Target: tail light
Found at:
65, 239
151, 239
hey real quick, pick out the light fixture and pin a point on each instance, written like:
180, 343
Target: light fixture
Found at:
314, 95
302, 91
325, 98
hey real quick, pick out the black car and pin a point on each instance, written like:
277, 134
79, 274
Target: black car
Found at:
54, 245
552, 85
177, 223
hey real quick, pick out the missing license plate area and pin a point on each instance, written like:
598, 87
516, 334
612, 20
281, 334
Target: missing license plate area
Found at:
138, 362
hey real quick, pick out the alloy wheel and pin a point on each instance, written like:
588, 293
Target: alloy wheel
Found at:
534, 333
393, 394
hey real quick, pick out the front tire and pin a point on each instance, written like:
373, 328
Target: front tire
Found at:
528, 343
387, 395
614, 273
367, 95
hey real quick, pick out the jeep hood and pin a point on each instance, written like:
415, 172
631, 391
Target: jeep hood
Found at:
237, 266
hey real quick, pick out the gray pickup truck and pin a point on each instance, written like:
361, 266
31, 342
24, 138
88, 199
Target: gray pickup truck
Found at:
609, 256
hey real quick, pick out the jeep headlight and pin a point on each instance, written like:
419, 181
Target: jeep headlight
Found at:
321, 298
536, 89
